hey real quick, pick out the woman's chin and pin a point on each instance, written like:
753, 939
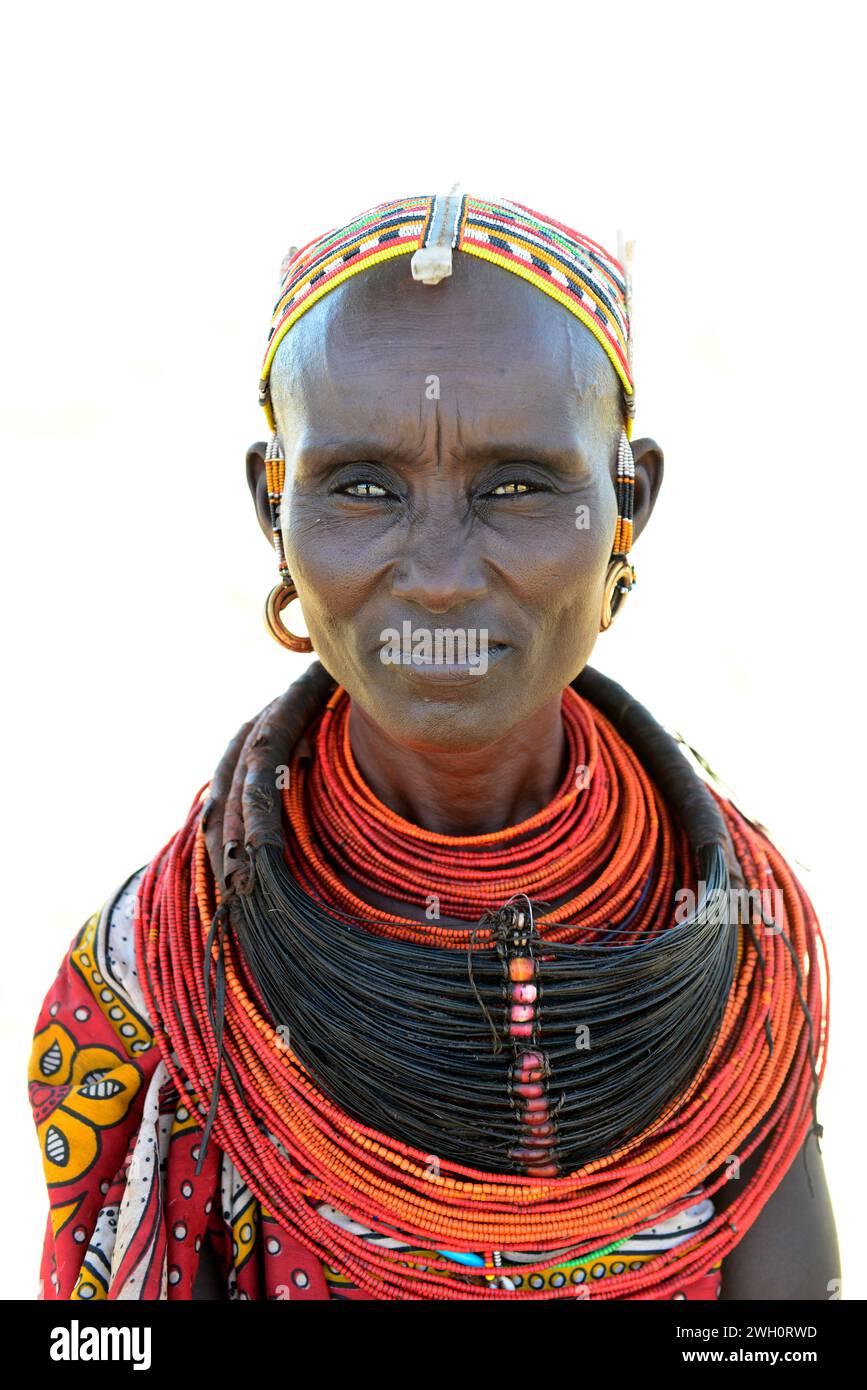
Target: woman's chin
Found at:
446, 709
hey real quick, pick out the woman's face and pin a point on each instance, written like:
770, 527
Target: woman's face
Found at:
450, 463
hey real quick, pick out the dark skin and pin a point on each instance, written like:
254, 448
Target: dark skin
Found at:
454, 504
468, 519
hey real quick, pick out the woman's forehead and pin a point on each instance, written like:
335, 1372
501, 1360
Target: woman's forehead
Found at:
479, 337
566, 266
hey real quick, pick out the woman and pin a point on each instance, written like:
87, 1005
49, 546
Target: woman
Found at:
457, 982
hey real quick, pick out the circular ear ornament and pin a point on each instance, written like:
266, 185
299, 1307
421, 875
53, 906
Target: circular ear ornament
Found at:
618, 581
279, 598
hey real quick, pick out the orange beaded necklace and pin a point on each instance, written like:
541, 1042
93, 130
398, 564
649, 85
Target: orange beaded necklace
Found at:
605, 848
301, 1152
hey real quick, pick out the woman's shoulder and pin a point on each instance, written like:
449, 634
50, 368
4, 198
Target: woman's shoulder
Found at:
109, 942
96, 998
117, 933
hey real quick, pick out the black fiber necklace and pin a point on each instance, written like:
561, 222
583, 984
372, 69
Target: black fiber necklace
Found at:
420, 1042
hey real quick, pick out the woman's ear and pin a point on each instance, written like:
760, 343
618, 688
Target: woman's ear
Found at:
649, 468
258, 486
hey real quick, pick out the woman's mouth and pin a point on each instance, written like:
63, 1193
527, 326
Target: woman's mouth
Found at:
440, 654
453, 668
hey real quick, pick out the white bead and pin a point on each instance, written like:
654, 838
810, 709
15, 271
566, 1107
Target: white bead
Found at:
430, 264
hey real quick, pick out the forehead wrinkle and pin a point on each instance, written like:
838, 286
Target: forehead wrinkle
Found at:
378, 313
390, 437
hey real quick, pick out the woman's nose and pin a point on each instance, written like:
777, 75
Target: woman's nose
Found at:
440, 574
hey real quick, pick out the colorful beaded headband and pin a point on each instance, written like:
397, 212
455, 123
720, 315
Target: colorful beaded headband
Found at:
569, 267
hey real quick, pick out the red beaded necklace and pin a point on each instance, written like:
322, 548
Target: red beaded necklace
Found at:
605, 849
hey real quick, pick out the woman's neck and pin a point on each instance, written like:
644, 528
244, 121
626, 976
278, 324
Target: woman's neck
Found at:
461, 792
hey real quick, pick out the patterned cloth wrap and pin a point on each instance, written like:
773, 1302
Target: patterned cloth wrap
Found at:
128, 1215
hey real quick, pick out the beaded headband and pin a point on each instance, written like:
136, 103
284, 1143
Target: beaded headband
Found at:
575, 271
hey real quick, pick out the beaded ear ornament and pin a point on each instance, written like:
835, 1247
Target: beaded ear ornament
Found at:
562, 263
620, 576
283, 592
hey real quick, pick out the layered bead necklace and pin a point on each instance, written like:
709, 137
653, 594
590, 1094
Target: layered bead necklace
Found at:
228, 936
606, 844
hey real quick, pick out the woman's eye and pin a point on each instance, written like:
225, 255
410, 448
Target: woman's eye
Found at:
363, 488
512, 489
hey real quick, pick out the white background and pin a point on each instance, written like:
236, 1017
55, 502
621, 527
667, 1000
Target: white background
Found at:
158, 161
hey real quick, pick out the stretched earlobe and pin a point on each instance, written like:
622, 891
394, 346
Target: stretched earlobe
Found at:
639, 476
258, 484
649, 469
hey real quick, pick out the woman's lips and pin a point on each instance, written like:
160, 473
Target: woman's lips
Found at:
455, 672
